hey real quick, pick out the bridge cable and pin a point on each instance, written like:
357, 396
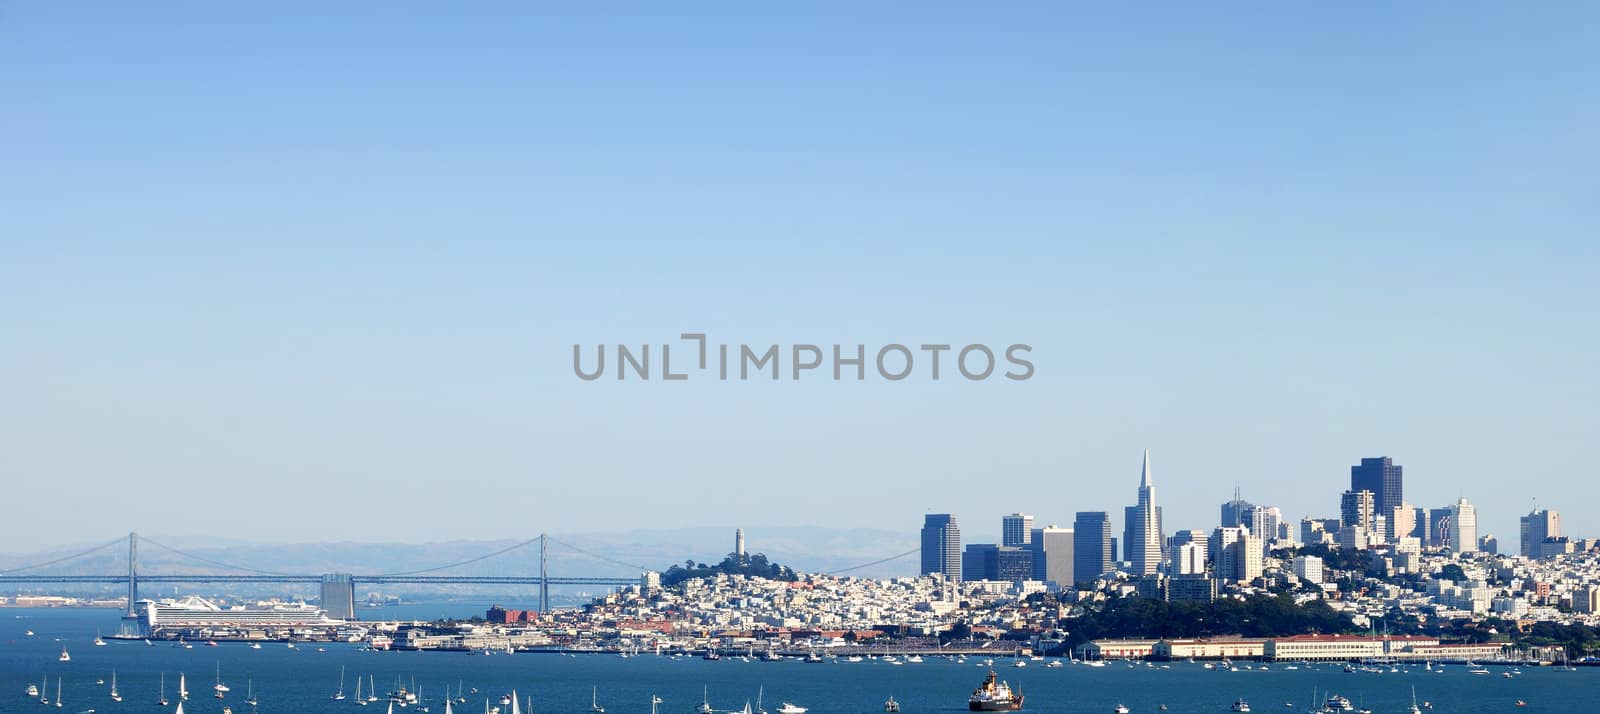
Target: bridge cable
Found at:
209, 561
593, 554
469, 561
103, 546
875, 562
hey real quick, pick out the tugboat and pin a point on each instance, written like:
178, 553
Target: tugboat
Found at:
994, 697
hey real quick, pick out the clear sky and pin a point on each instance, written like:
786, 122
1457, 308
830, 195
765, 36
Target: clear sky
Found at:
295, 272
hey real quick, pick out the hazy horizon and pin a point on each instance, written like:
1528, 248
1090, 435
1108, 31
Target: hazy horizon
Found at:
312, 272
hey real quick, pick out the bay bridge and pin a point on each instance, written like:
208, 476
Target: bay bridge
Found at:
339, 587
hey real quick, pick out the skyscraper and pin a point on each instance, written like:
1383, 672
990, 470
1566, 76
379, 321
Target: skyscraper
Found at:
1233, 511
1537, 526
1091, 546
1381, 476
339, 596
1463, 527
1357, 508
1144, 545
1052, 555
941, 545
1016, 529
1439, 527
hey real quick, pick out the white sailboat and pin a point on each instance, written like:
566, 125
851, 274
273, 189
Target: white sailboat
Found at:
163, 700
179, 710
183, 689
339, 695
219, 689
372, 689
359, 700
515, 707
64, 656
115, 695
250, 692
447, 709
58, 691
594, 701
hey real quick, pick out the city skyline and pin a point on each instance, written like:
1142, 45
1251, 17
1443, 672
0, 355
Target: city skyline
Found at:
310, 266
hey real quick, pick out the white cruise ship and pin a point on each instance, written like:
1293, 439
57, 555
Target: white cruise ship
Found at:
198, 612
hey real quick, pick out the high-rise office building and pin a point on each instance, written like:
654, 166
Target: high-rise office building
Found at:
1221, 539
1463, 527
1381, 476
1233, 511
339, 596
1401, 523
987, 561
1091, 546
1439, 527
1537, 526
941, 545
1241, 559
1052, 555
1357, 508
1190, 558
1421, 526
1016, 529
1179, 538
1144, 544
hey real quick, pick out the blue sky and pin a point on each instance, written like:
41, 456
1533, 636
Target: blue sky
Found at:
331, 261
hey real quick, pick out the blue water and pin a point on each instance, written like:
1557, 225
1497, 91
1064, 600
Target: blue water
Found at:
300, 680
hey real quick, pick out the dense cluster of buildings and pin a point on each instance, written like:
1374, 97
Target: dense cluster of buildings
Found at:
1195, 564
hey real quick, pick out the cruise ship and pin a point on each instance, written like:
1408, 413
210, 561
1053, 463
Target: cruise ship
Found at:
198, 612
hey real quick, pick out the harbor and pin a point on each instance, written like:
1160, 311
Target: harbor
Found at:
307, 678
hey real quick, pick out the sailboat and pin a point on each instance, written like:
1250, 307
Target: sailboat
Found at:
97, 641
219, 688
163, 700
372, 689
705, 701
760, 691
447, 709
654, 700
64, 656
339, 695
183, 689
1414, 708
594, 701
115, 695
359, 700
179, 710
58, 691
250, 692
517, 708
